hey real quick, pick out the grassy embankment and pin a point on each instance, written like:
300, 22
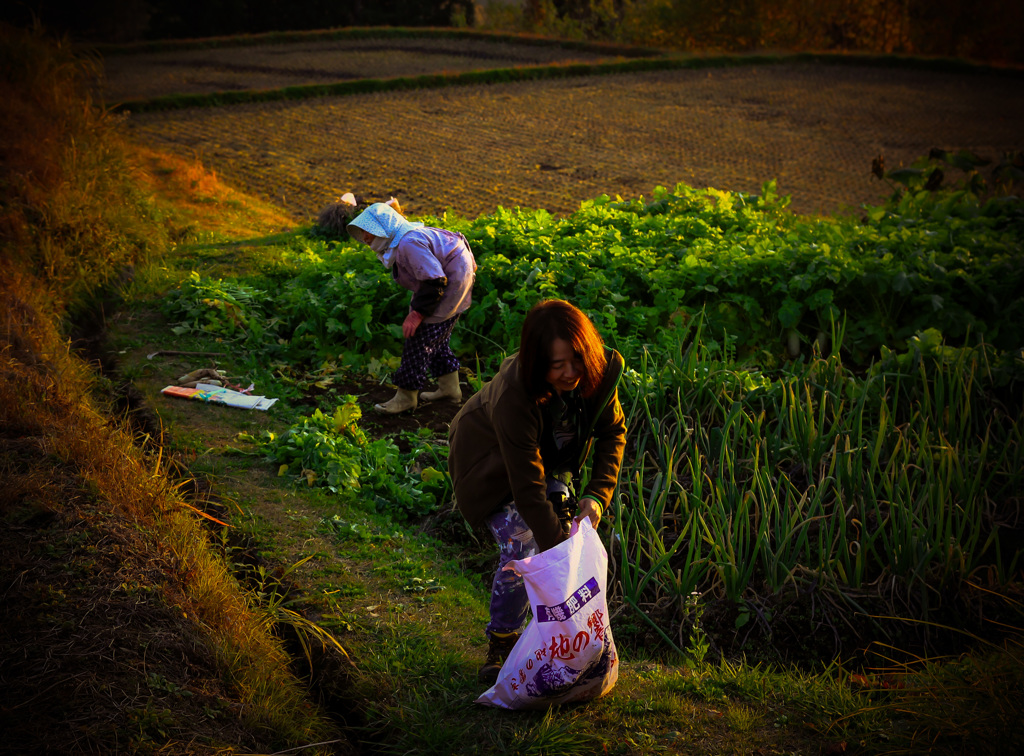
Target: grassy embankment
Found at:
88, 506
121, 627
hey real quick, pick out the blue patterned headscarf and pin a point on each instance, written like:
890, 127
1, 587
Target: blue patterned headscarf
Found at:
380, 219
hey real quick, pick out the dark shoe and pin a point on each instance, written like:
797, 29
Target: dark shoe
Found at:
498, 649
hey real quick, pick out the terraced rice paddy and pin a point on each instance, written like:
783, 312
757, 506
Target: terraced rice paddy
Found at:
552, 143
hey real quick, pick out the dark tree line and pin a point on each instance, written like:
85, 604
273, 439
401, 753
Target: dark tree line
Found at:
133, 20
980, 29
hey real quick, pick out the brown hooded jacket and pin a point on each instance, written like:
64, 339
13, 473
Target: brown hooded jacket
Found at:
495, 443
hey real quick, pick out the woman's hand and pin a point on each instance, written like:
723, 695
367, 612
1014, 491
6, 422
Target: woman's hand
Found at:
590, 508
412, 322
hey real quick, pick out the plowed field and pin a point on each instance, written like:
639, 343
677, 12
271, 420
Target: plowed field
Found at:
270, 66
552, 143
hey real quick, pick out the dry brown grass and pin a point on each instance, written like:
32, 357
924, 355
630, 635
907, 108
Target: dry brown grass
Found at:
121, 630
69, 214
197, 198
118, 614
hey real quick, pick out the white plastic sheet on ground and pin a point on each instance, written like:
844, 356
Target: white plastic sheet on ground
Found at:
206, 392
567, 652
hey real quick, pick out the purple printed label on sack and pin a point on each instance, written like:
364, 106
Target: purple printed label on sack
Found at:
569, 607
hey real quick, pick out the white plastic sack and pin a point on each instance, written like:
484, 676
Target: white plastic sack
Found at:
567, 652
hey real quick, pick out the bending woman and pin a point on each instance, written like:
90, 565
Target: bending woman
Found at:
438, 267
518, 446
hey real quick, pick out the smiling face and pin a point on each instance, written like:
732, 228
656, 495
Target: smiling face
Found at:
565, 368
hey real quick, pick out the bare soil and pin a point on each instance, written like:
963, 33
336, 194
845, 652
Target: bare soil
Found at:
551, 144
433, 415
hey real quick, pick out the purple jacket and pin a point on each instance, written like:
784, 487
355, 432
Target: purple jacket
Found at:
429, 254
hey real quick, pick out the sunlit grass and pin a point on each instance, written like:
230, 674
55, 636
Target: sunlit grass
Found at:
73, 214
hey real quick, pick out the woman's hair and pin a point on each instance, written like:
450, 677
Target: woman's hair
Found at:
552, 319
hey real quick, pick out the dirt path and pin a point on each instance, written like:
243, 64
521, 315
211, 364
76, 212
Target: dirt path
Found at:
813, 127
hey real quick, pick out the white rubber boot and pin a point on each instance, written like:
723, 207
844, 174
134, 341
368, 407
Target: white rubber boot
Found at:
403, 401
447, 388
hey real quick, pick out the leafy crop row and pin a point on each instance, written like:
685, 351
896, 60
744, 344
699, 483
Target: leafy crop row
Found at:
333, 452
895, 490
768, 283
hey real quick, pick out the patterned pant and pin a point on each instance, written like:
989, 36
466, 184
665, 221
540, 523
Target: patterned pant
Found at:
427, 350
509, 601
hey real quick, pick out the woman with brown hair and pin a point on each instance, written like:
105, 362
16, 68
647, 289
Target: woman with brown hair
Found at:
518, 447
